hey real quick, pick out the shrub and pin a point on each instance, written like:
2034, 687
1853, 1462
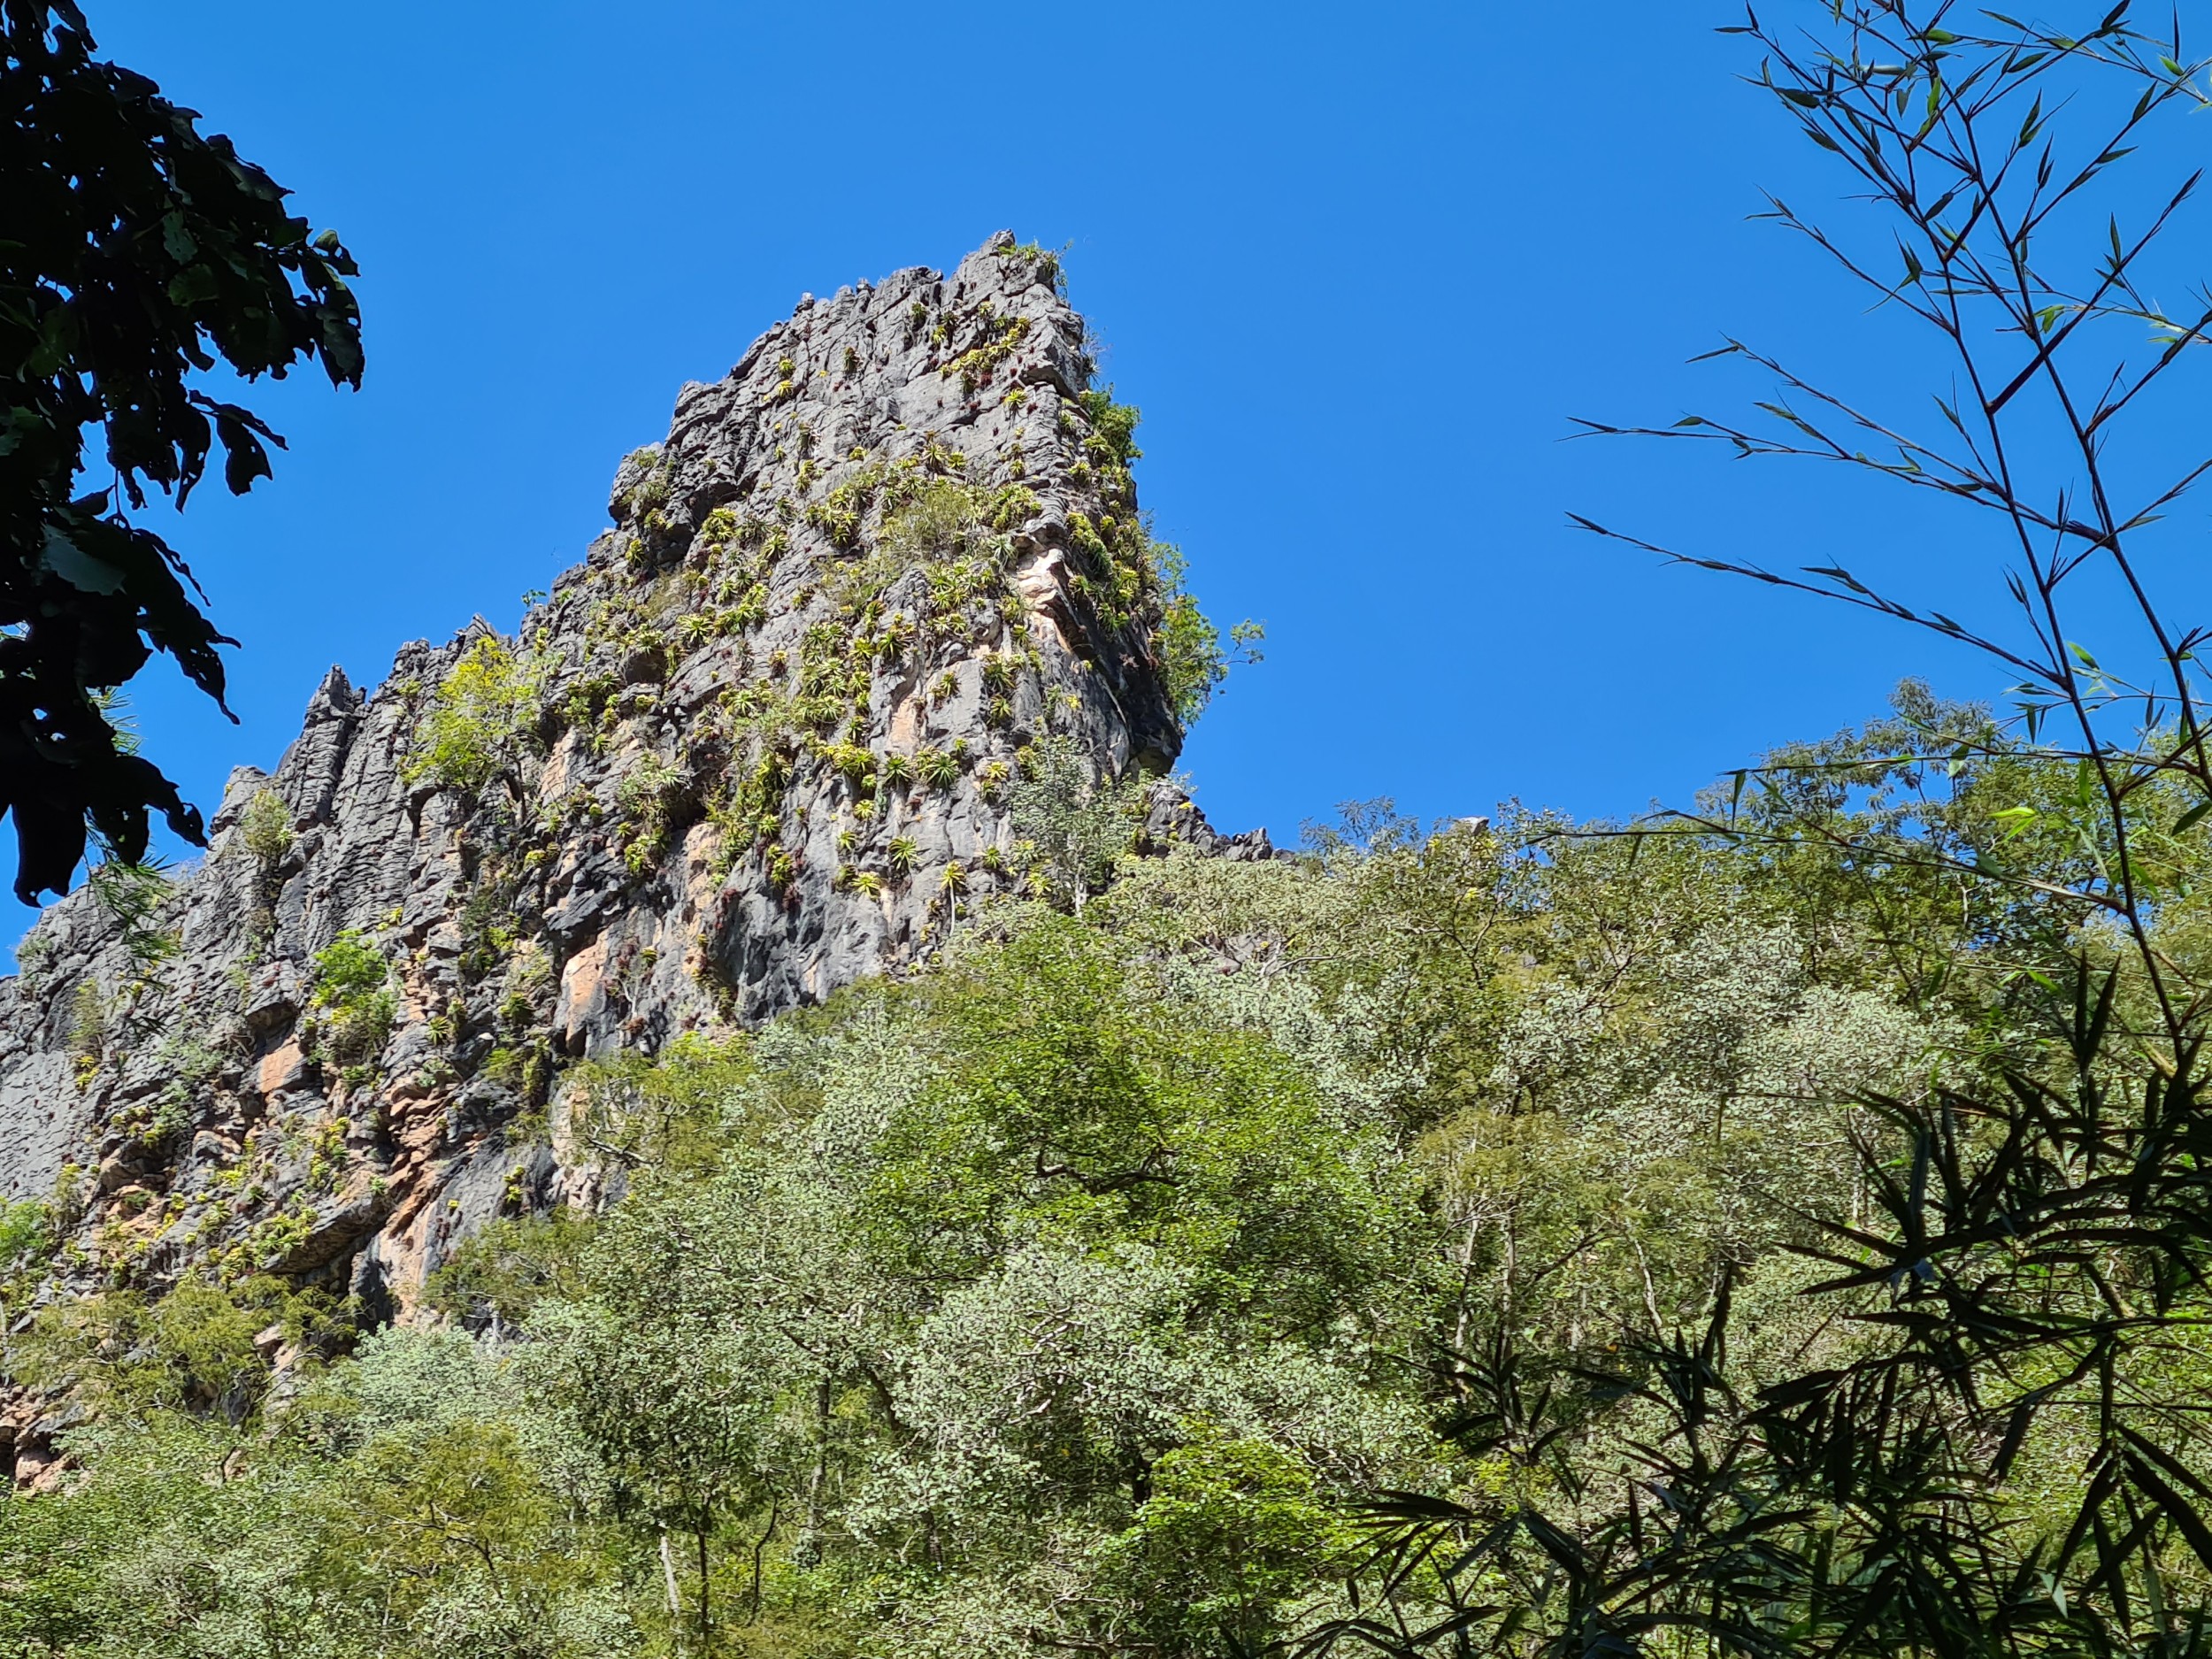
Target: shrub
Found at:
352, 988
838, 513
938, 769
512, 1264
33, 957
1115, 424
1192, 660
27, 1232
936, 522
88, 1020
654, 796
1081, 822
479, 721
265, 827
975, 366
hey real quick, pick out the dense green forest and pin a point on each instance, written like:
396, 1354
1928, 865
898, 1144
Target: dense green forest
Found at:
1083, 1293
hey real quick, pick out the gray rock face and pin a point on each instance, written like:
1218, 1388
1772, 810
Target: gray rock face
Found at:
754, 747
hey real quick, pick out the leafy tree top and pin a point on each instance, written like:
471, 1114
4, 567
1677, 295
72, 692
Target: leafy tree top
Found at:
141, 256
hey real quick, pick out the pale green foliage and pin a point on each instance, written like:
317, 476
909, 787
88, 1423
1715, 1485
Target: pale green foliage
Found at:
265, 825
481, 719
25, 1230
347, 969
193, 1346
1080, 821
398, 1510
32, 957
29, 1235
506, 1270
352, 992
935, 1301
651, 793
938, 521
949, 531
89, 1020
1072, 1294
1192, 659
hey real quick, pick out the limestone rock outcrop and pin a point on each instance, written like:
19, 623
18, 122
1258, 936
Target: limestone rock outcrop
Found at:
757, 744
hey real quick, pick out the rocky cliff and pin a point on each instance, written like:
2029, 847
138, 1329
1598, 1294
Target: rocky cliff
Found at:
759, 743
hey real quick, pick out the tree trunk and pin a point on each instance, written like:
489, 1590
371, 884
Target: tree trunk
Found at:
675, 1602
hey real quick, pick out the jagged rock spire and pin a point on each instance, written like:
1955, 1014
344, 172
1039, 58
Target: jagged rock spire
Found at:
755, 746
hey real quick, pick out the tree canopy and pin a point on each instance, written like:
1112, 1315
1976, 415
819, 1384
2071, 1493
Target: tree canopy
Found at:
139, 257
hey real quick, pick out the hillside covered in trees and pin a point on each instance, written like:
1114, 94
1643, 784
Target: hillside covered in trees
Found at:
1073, 1293
1082, 1291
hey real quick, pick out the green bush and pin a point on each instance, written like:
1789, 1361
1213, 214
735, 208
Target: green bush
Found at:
27, 1232
510, 1266
347, 968
352, 988
88, 1020
1192, 659
479, 722
1115, 424
265, 827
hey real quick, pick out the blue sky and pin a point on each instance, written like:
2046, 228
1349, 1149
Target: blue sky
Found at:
1358, 266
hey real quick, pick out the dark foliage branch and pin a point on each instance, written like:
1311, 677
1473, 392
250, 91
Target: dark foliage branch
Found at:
137, 256
2031, 1283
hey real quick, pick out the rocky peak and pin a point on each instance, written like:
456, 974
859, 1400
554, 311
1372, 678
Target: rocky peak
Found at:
757, 744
